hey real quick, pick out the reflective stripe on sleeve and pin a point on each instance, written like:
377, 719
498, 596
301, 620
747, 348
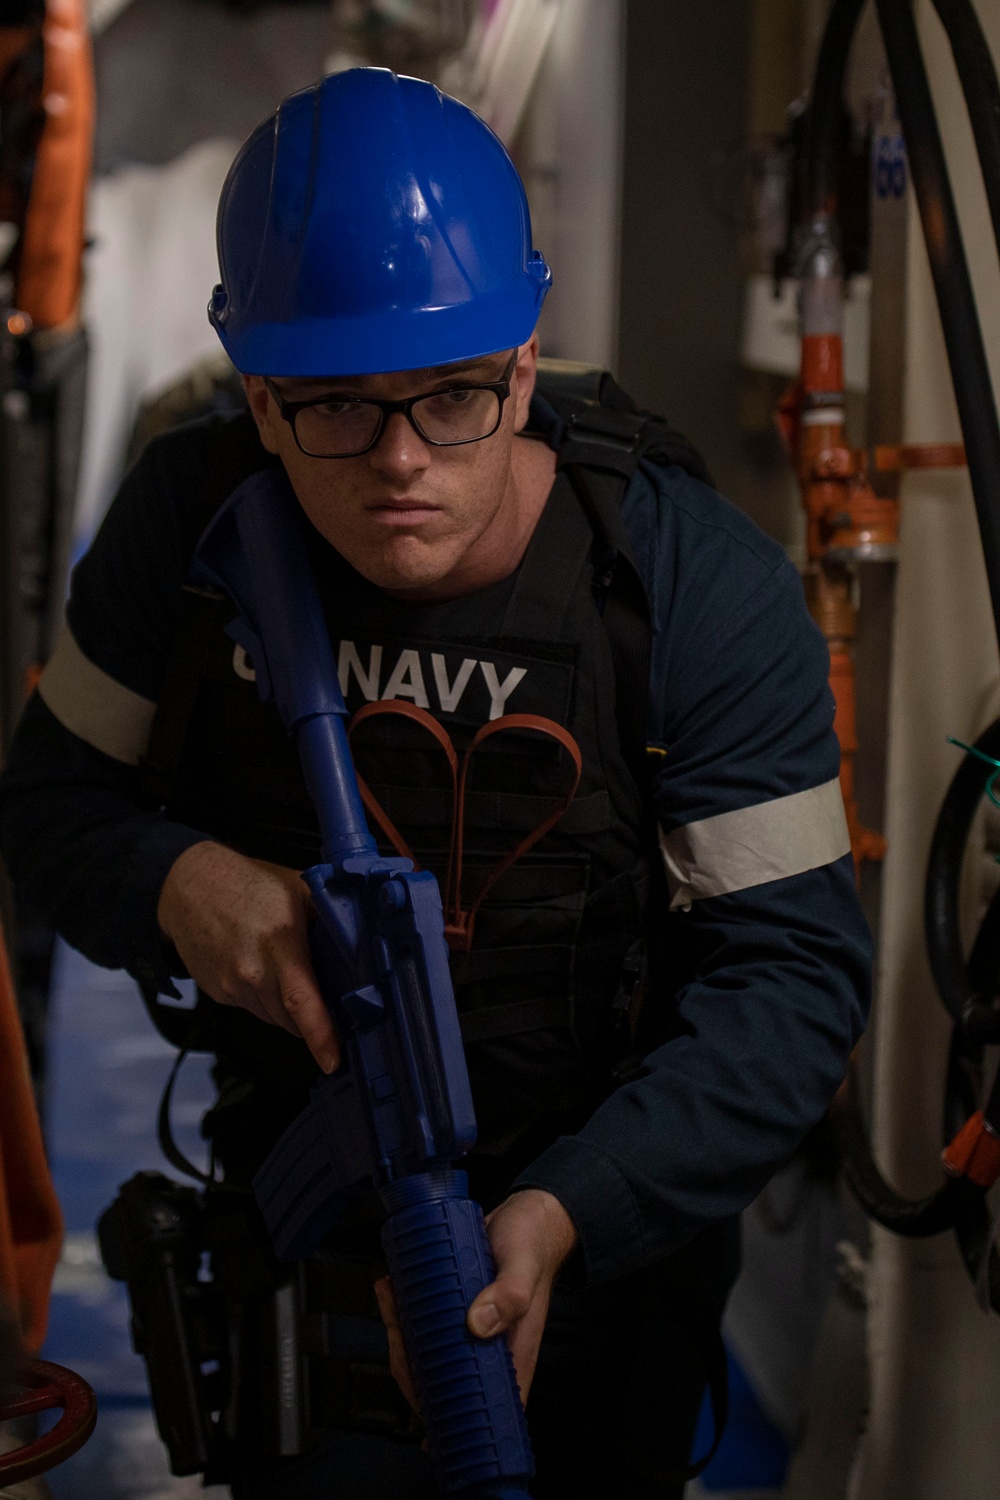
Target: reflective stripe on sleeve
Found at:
750, 846
93, 706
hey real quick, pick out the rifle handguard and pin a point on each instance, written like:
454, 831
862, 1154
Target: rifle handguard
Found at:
439, 1261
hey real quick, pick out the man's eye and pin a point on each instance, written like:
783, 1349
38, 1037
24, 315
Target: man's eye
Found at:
457, 398
333, 408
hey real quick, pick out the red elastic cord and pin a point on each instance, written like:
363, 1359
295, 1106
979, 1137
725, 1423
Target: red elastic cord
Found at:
459, 923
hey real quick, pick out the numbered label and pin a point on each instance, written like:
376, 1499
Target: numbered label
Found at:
889, 166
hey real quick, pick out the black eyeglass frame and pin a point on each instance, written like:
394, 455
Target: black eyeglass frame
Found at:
289, 411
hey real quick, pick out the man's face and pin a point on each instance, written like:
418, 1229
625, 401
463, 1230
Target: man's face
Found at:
407, 515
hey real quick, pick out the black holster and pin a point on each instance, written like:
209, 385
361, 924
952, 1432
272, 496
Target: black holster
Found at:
245, 1355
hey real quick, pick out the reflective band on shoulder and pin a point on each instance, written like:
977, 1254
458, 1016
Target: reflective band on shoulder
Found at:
753, 845
93, 705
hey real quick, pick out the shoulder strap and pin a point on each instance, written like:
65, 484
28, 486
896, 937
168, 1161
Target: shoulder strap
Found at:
621, 599
542, 594
584, 414
600, 438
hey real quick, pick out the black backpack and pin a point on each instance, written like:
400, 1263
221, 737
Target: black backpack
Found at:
600, 426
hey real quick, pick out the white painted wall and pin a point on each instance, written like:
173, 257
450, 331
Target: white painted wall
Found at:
149, 274
934, 1430
569, 152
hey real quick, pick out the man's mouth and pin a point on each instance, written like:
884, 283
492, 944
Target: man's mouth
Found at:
402, 511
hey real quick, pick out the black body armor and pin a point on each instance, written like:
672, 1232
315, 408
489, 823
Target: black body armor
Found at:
556, 938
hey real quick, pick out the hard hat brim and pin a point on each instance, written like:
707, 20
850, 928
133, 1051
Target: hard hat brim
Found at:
382, 343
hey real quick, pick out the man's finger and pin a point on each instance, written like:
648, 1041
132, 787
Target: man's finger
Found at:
304, 1005
525, 1338
506, 1300
399, 1366
516, 1303
265, 1006
386, 1298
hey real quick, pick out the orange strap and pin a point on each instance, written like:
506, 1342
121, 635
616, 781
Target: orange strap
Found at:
463, 921
459, 923
427, 721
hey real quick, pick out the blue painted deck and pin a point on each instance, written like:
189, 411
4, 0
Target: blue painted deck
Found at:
107, 1070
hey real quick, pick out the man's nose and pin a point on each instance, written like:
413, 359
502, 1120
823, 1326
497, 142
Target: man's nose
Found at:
400, 452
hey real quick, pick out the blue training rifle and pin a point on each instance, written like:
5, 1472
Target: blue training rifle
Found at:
398, 1111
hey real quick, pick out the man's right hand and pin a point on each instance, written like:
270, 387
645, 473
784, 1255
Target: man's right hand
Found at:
240, 927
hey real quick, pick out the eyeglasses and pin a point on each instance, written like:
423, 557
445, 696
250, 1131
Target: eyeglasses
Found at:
347, 426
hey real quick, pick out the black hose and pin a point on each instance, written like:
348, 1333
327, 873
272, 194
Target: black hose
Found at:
984, 960
914, 1218
956, 302
978, 77
962, 1089
963, 985
958, 1204
955, 982
824, 120
974, 1232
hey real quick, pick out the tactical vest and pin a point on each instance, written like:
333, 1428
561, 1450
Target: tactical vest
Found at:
553, 954
559, 938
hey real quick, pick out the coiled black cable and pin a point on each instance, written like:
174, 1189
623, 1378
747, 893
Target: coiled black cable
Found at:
915, 1218
966, 987
959, 982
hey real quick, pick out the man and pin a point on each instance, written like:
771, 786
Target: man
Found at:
379, 293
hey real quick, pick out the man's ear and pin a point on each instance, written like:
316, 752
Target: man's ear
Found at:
525, 370
262, 409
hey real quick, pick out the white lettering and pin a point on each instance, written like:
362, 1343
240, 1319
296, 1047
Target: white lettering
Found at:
407, 680
501, 691
242, 665
450, 697
367, 681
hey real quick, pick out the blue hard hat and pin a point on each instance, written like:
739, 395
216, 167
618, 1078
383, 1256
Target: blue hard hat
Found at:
373, 224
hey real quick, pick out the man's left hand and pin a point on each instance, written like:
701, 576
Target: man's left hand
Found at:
531, 1235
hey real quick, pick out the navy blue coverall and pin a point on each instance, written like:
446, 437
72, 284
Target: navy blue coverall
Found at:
762, 903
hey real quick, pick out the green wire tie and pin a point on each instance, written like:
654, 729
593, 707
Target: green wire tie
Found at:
990, 780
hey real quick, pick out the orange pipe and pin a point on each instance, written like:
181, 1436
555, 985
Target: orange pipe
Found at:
822, 364
888, 457
841, 510
31, 1224
865, 842
49, 265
